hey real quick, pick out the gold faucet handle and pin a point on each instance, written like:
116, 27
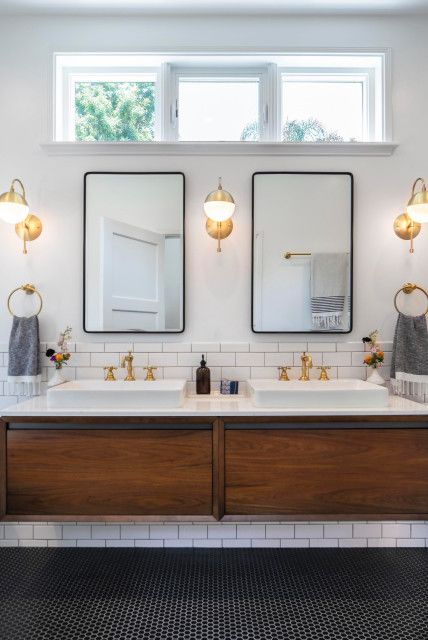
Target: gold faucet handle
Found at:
110, 374
283, 375
150, 370
323, 374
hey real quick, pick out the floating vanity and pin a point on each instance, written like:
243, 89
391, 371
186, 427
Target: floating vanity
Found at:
211, 458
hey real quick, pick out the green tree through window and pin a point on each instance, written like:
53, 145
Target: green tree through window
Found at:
114, 111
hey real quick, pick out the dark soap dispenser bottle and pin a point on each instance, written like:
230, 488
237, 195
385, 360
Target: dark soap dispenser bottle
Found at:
203, 378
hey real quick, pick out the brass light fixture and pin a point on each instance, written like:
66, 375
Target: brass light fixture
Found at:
407, 229
14, 210
417, 207
13, 205
219, 207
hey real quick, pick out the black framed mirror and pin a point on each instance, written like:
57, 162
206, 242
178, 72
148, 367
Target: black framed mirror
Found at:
134, 251
302, 252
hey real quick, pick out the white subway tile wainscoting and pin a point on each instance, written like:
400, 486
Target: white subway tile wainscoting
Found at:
199, 534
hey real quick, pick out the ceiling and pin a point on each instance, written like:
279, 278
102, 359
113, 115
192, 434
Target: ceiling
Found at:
241, 7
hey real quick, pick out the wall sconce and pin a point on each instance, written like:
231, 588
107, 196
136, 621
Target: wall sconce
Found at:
407, 229
417, 207
14, 210
219, 207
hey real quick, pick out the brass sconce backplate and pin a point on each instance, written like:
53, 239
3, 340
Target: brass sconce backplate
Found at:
407, 229
403, 227
225, 230
29, 229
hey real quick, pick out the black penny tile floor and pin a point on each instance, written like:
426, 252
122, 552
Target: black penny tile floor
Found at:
185, 594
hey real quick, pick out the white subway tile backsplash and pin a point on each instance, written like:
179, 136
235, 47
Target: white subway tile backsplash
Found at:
264, 372
90, 347
411, 542
176, 347
321, 346
241, 543
350, 346
33, 543
145, 347
288, 347
118, 347
120, 543
292, 543
272, 543
263, 347
149, 543
281, 359
338, 531
234, 347
208, 544
250, 359
205, 347
104, 359
220, 360
162, 359
342, 359
358, 359
236, 373
323, 542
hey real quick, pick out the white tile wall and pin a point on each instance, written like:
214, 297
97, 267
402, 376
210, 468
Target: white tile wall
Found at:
199, 534
233, 360
238, 361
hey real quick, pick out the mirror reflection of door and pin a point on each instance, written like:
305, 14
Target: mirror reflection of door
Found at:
302, 252
133, 277
134, 252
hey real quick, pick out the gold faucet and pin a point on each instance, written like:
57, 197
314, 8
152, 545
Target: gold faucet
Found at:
110, 375
306, 365
127, 361
323, 374
283, 375
150, 375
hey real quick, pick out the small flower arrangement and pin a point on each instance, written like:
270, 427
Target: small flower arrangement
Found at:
60, 357
375, 356
57, 357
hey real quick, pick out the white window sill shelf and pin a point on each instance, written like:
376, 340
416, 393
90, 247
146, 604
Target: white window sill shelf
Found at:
220, 148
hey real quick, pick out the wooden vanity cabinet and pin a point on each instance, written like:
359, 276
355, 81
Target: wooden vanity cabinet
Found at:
238, 468
165, 470
309, 472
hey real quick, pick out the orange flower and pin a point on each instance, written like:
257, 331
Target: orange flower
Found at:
380, 353
367, 359
59, 357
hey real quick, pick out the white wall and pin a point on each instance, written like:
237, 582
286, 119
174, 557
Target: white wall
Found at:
218, 285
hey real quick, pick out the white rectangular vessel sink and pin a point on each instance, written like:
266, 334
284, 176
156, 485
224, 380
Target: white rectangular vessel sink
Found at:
317, 394
103, 394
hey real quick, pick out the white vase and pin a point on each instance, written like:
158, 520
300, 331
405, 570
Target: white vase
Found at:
375, 378
57, 378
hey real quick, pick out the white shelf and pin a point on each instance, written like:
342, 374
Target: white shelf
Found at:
219, 148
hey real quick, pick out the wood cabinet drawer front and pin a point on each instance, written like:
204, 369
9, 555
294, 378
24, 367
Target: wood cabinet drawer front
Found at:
326, 472
131, 472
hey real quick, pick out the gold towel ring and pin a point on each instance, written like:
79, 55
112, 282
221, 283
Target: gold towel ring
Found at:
29, 289
408, 288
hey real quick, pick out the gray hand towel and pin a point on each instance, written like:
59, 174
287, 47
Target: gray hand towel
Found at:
24, 356
409, 365
329, 284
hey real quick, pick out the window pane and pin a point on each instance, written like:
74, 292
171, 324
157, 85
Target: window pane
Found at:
218, 109
114, 110
316, 111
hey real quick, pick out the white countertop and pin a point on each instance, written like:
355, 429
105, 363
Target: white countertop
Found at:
211, 406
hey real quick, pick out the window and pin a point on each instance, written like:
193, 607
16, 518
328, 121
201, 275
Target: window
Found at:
288, 98
218, 107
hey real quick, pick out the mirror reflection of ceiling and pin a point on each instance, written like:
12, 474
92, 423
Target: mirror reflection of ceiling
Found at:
174, 7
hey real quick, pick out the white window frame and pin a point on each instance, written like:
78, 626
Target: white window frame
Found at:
65, 93
365, 76
269, 67
263, 73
